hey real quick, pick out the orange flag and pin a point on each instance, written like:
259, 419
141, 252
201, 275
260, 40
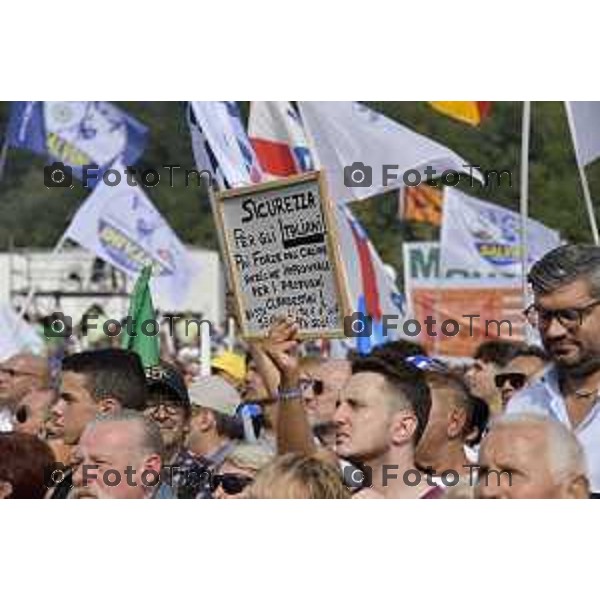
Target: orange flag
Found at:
469, 112
421, 204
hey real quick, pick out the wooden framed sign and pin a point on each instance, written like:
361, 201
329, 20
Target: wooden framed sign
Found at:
283, 256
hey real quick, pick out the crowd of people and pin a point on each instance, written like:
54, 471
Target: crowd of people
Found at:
274, 421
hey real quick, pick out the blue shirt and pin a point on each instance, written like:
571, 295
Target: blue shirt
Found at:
543, 396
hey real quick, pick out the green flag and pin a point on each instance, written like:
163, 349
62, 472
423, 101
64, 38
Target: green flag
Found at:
140, 310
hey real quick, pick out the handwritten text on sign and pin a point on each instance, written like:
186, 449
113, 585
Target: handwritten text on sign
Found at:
278, 246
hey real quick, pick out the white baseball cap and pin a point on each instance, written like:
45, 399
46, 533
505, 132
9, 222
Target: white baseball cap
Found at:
215, 393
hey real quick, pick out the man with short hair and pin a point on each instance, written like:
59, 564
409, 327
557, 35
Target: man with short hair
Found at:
95, 382
98, 382
531, 456
380, 418
19, 375
528, 362
118, 457
443, 445
326, 379
566, 311
480, 377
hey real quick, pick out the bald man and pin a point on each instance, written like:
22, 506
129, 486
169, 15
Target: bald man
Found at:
19, 375
531, 456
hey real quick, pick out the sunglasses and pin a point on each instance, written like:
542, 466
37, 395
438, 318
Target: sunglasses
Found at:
316, 385
231, 483
516, 380
22, 414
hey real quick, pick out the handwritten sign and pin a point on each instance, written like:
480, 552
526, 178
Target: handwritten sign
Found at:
281, 249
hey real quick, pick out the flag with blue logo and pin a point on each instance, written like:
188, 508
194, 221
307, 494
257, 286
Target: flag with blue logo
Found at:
120, 225
77, 133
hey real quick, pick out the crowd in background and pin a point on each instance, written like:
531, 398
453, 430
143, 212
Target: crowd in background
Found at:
277, 420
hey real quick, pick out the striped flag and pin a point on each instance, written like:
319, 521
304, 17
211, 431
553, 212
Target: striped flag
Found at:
278, 138
277, 135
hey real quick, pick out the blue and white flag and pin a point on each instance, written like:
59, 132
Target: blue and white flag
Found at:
121, 226
77, 133
221, 125
485, 238
204, 157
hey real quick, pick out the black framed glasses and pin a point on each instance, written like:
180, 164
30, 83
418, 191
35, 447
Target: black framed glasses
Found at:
568, 317
516, 380
232, 483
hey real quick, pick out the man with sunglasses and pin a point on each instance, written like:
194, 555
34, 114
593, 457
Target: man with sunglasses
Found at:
566, 311
32, 412
321, 389
520, 371
19, 375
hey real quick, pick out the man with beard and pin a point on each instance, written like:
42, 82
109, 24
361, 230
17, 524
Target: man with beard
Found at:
566, 311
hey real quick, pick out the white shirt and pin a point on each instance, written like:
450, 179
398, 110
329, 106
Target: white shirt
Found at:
544, 397
6, 421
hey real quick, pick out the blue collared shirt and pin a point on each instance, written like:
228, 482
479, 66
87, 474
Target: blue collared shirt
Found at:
544, 396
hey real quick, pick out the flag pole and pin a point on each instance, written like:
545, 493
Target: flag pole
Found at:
524, 202
583, 177
3, 155
33, 285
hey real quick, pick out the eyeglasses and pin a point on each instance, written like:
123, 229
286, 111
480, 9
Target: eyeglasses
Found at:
232, 483
516, 380
568, 317
170, 409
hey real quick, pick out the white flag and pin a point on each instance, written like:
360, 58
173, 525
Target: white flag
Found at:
346, 135
221, 124
480, 237
586, 130
121, 226
278, 138
16, 335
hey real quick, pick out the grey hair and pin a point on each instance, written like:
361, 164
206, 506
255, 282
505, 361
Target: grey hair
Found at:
150, 440
250, 456
565, 454
564, 265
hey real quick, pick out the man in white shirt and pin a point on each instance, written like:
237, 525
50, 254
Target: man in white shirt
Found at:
566, 311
